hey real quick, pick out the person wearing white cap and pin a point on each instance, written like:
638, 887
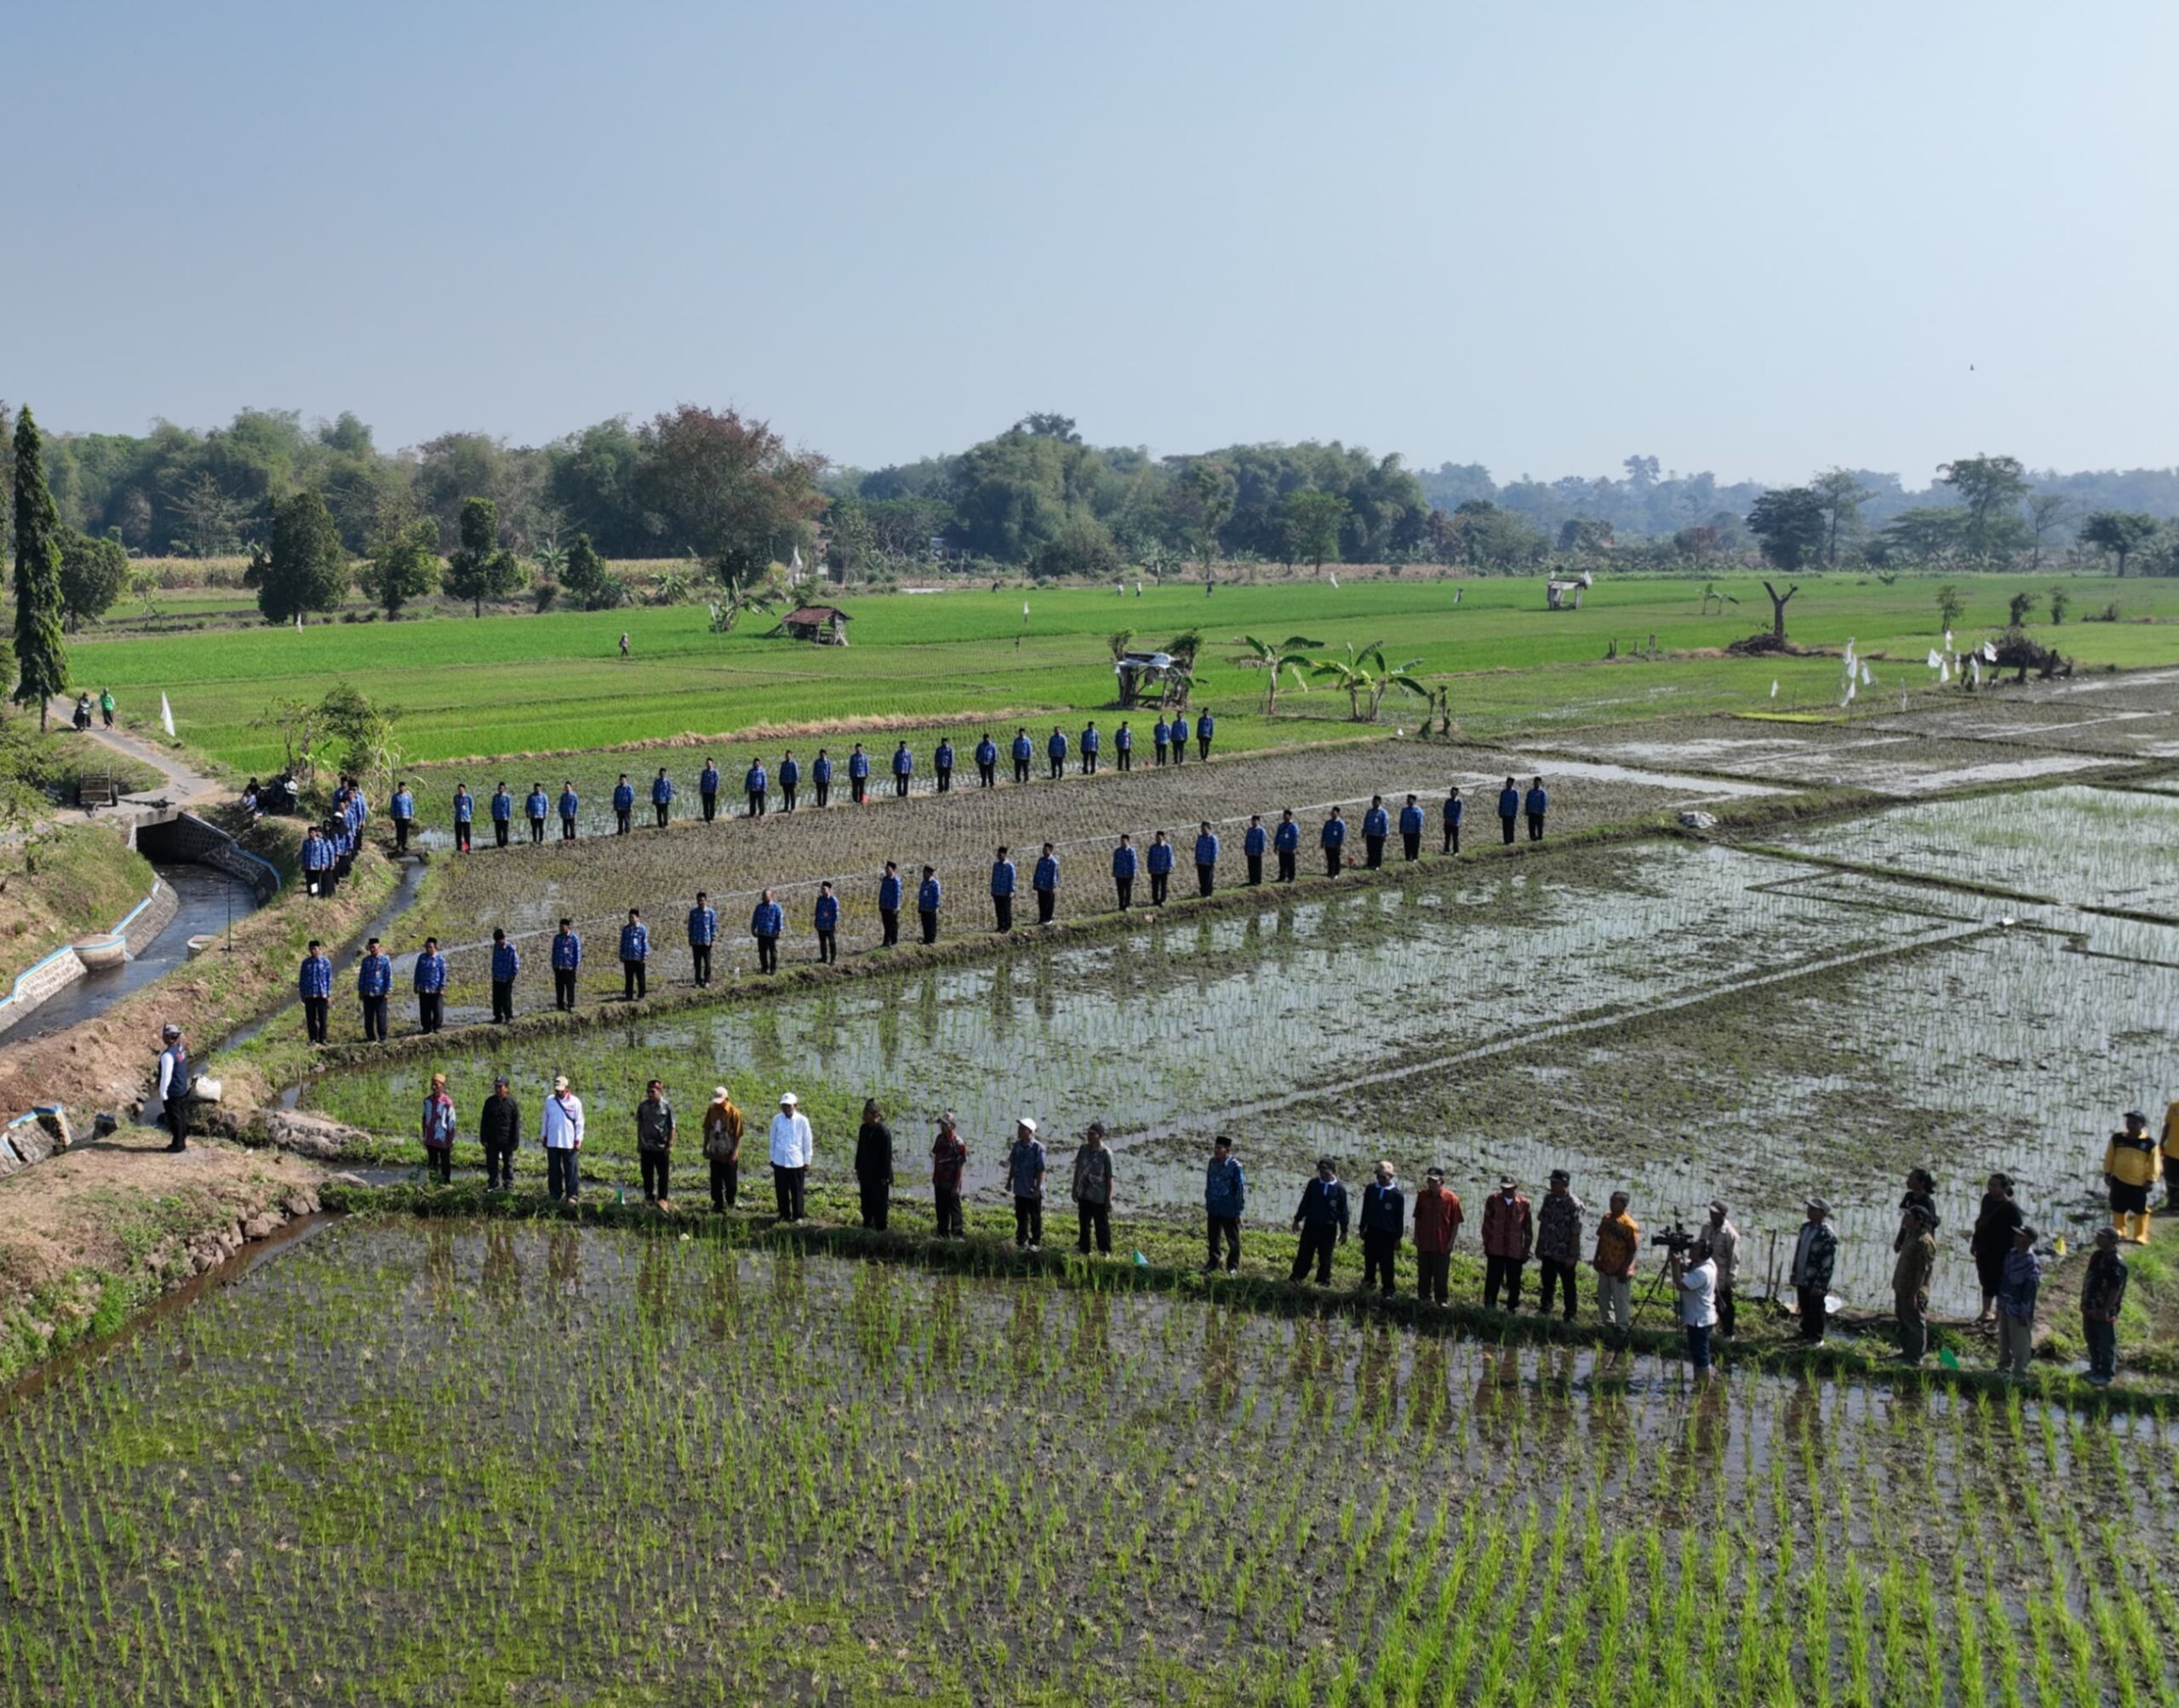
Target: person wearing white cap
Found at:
1815, 1252
1025, 1177
793, 1145
173, 1087
563, 1136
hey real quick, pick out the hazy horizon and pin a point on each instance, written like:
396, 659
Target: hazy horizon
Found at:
1745, 242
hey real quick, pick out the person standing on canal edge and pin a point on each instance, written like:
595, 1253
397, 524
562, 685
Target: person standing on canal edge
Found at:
1225, 1196
1535, 803
567, 960
1815, 1250
1254, 842
1453, 812
1332, 839
562, 1135
1410, 829
430, 981
404, 815
1376, 825
437, 1133
793, 1148
654, 1129
314, 984
1160, 863
1508, 1236
1002, 892
1124, 866
1045, 882
722, 1149
927, 899
948, 1155
873, 1165
889, 904
825, 919
374, 985
465, 813
507, 965
661, 796
1321, 1220
624, 804
1025, 1179
499, 1129
173, 1087
1286, 842
703, 933
1092, 1188
766, 920
1206, 859
635, 957
1383, 1219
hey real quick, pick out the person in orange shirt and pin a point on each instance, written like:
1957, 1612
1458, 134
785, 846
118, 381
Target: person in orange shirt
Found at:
1438, 1219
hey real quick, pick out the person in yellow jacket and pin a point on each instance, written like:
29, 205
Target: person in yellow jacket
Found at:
2171, 1154
2130, 1166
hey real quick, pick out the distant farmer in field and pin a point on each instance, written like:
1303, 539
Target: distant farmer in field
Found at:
1332, 839
1383, 1220
624, 643
1508, 1236
766, 920
567, 961
314, 984
562, 1135
1056, 752
538, 808
1619, 1244
1509, 810
570, 804
464, 814
793, 1147
708, 789
502, 813
889, 904
1411, 828
825, 920
105, 705
1044, 880
904, 766
927, 899
1092, 1191
1091, 741
703, 933
1438, 1219
722, 1149
635, 957
1376, 825
172, 1086
2016, 1305
820, 777
1286, 843
430, 982
1320, 1219
1815, 1250
499, 1129
942, 764
948, 1155
2102, 1291
506, 966
859, 774
790, 779
1161, 735
986, 761
437, 1132
1002, 892
1559, 1220
1123, 868
404, 815
756, 787
1910, 1284
655, 1131
1025, 1179
1123, 746
1206, 859
1535, 804
2130, 1166
1022, 750
873, 1165
661, 796
1205, 727
1224, 1196
374, 985
1724, 1252
624, 804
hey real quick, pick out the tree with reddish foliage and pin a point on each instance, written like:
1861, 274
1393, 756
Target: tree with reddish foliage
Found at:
729, 486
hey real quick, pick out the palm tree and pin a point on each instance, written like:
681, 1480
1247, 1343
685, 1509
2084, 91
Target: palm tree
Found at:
1288, 655
758, 596
1365, 675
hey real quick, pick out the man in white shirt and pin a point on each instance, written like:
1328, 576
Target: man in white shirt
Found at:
563, 1135
793, 1145
1695, 1273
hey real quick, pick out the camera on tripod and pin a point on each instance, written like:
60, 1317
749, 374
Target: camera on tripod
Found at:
1676, 1239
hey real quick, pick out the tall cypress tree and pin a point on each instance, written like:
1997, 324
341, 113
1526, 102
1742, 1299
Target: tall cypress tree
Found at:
40, 654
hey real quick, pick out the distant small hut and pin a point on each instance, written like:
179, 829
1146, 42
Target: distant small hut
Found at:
824, 625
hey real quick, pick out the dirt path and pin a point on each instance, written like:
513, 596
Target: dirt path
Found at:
183, 787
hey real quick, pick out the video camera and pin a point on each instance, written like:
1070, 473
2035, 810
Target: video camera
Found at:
1676, 1239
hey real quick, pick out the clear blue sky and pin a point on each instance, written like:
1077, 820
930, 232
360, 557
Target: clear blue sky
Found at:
1751, 237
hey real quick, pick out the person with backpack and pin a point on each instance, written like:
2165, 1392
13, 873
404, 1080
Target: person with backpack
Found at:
722, 1149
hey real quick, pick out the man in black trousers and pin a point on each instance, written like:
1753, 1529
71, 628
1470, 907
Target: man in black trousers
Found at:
1321, 1220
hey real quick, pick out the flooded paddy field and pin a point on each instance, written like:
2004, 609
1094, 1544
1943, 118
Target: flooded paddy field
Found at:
424, 1463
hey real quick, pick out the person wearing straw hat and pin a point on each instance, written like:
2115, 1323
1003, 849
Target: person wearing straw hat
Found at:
948, 1155
793, 1147
499, 1129
1816, 1252
722, 1149
2131, 1168
562, 1135
1025, 1179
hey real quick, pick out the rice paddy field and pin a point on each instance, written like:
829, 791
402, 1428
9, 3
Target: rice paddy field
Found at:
381, 1471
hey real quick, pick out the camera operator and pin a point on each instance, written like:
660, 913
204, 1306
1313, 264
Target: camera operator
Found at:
1694, 1274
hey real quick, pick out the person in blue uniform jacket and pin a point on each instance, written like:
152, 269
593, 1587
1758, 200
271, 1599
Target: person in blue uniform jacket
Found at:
708, 789
635, 957
314, 984
1333, 839
758, 786
570, 805
1286, 843
1002, 893
1056, 752
317, 858
1410, 829
820, 776
1376, 825
1452, 812
1206, 860
567, 961
1022, 748
1205, 727
1045, 882
1091, 741
374, 985
539, 807
1161, 868
703, 933
404, 815
465, 812
766, 921
1161, 737
430, 981
825, 919
1534, 805
790, 779
942, 764
858, 774
889, 904
1321, 1219
502, 814
1123, 746
661, 796
986, 762
1509, 810
904, 766
507, 964
927, 896
1124, 869
624, 803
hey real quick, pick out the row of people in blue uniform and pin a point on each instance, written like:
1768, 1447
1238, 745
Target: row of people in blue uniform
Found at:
501, 808
330, 846
768, 919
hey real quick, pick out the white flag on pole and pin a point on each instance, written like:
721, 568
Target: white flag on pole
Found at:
1774, 687
166, 715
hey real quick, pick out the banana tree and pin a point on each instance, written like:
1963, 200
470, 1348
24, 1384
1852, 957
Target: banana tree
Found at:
1293, 655
1365, 675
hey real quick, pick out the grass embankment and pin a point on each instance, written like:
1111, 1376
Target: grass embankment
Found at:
69, 882
514, 684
